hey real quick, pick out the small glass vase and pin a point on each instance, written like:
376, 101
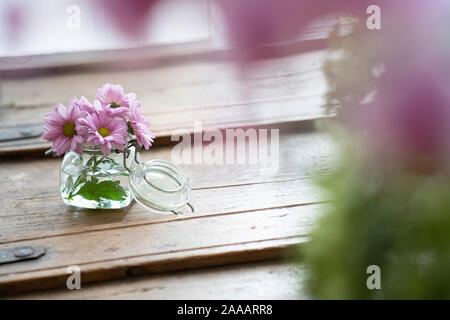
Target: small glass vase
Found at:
92, 180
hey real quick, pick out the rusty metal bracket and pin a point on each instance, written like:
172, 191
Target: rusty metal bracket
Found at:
21, 253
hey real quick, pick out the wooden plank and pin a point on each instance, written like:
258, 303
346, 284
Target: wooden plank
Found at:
269, 280
206, 201
31, 205
162, 83
259, 114
285, 90
205, 241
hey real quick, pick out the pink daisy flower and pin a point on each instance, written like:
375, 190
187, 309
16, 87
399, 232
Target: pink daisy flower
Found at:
101, 129
60, 129
113, 112
98, 107
85, 105
113, 95
139, 127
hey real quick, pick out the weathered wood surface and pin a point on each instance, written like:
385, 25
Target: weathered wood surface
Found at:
176, 95
244, 213
269, 280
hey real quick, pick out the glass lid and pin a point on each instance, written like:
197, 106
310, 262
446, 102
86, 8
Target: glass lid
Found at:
160, 185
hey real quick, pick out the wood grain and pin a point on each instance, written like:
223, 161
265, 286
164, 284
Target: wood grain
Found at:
269, 280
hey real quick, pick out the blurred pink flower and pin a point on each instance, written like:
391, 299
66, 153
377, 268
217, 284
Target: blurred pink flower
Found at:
140, 127
255, 23
14, 21
60, 129
251, 23
130, 16
101, 129
409, 120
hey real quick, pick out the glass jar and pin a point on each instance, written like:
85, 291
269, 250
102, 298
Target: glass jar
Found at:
93, 180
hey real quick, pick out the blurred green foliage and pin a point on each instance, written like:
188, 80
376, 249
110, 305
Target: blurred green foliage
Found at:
386, 216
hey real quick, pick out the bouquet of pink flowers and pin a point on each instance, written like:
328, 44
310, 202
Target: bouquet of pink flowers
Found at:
113, 120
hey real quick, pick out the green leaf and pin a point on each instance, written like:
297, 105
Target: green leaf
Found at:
103, 190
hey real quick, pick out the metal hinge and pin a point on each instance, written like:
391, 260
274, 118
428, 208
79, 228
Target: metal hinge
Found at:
21, 253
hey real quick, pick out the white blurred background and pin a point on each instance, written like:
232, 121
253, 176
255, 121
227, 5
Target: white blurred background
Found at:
41, 27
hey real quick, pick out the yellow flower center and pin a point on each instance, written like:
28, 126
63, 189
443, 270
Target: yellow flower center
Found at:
114, 105
69, 129
104, 132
